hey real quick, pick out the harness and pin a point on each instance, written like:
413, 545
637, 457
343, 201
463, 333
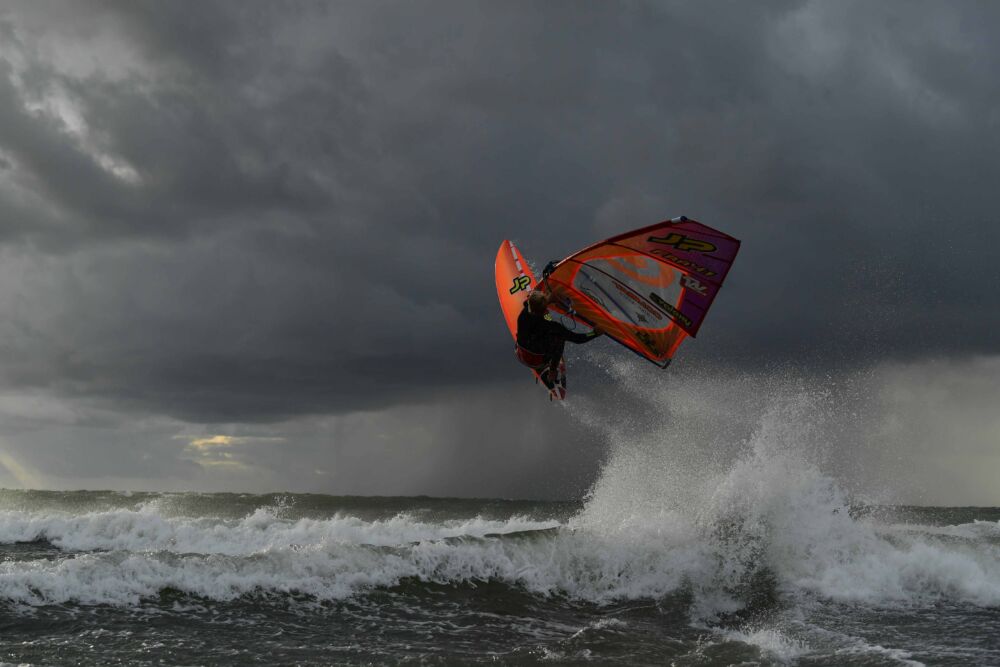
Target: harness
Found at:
530, 359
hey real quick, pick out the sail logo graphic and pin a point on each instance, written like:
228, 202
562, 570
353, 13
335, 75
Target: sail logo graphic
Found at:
680, 261
520, 283
675, 315
693, 284
685, 243
637, 299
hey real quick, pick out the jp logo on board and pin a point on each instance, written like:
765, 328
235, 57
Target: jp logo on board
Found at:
520, 283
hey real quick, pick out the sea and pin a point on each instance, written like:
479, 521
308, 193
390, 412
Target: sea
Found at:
112, 578
728, 522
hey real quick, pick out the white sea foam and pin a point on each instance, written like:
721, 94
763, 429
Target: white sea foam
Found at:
571, 563
860, 648
793, 525
772, 643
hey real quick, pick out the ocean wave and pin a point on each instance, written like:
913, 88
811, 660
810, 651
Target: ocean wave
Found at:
121, 559
262, 531
972, 531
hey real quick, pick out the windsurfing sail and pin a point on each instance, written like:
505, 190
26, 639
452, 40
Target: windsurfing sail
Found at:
650, 288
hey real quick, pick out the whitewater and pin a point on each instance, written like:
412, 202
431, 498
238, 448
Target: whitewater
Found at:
730, 539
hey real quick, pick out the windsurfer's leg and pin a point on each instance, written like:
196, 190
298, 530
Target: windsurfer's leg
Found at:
553, 358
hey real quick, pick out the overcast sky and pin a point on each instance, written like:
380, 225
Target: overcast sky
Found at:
249, 245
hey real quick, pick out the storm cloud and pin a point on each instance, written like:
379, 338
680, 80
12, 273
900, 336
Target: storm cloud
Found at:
278, 220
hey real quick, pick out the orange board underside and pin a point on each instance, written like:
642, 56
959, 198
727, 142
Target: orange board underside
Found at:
514, 281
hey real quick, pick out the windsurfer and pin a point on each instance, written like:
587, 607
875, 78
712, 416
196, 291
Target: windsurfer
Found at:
540, 340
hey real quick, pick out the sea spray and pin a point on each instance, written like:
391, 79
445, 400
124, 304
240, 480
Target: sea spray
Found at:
772, 512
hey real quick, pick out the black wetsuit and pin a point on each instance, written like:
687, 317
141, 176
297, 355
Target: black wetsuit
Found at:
545, 337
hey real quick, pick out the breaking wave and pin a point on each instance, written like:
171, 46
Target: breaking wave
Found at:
772, 520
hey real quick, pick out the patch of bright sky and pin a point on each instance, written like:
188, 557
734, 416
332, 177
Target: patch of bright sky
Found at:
218, 450
212, 441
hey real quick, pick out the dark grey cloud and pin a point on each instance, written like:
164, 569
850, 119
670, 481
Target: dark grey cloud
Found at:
242, 213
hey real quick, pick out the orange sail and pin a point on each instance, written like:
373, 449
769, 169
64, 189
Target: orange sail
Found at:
650, 288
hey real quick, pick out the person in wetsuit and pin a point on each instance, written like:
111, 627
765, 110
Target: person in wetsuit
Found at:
540, 340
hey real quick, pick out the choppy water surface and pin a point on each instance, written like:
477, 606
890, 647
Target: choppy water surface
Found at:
109, 578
